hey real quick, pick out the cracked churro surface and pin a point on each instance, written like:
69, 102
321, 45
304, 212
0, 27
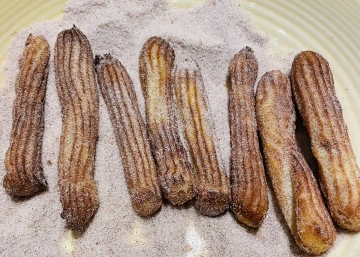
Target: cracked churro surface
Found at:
213, 193
174, 171
249, 200
294, 185
313, 87
23, 163
79, 100
130, 133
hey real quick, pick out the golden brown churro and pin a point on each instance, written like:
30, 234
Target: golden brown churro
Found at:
156, 63
294, 185
213, 193
249, 200
130, 133
23, 159
313, 87
76, 86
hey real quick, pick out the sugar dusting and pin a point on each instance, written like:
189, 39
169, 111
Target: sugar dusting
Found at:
210, 34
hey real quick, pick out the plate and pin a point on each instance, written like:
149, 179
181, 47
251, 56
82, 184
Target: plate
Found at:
328, 27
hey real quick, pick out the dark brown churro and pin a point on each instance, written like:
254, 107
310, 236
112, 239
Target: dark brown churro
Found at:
156, 63
213, 193
294, 185
313, 88
130, 133
76, 86
249, 201
23, 159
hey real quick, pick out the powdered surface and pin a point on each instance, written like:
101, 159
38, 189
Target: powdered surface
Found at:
210, 34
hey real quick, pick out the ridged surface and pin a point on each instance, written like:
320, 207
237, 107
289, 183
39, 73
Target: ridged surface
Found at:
23, 159
291, 25
175, 176
79, 100
313, 87
130, 133
213, 193
294, 185
249, 200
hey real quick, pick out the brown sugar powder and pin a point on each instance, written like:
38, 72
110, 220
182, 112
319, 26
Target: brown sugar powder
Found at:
210, 34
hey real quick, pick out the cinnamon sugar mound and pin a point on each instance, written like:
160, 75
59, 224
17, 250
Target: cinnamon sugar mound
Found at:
210, 34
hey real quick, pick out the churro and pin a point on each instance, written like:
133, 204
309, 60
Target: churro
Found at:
294, 185
130, 133
213, 193
249, 201
313, 88
79, 100
25, 175
174, 170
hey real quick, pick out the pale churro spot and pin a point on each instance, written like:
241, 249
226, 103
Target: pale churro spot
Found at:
67, 243
137, 235
195, 241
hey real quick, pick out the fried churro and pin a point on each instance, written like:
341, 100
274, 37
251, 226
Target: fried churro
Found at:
23, 159
295, 186
213, 193
79, 100
175, 175
313, 88
249, 201
130, 133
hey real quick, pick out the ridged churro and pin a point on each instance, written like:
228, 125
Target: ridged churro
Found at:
295, 186
313, 88
249, 201
130, 133
23, 159
79, 100
175, 175
213, 193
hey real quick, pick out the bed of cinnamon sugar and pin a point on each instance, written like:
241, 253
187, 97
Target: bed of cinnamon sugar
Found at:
210, 34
